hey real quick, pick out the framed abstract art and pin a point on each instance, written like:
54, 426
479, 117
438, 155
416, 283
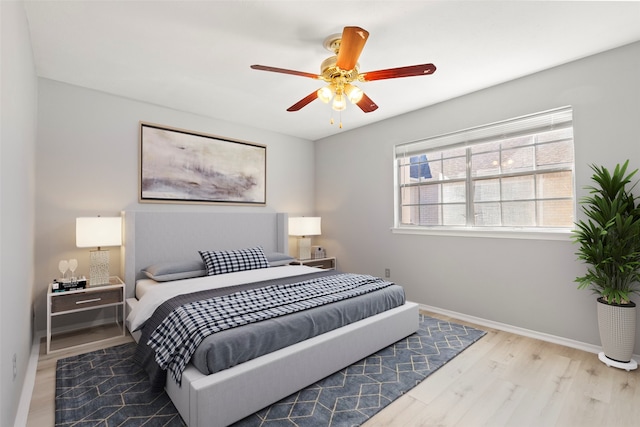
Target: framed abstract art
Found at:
181, 166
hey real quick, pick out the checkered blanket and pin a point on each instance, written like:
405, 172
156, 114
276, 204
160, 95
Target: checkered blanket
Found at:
177, 337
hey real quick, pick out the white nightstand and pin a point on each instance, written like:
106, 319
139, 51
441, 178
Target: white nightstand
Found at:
90, 298
328, 263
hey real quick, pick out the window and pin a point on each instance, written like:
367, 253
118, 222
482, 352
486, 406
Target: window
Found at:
516, 174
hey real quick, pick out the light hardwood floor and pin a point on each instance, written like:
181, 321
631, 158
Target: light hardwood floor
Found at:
501, 380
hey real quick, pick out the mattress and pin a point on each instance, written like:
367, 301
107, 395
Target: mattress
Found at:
144, 285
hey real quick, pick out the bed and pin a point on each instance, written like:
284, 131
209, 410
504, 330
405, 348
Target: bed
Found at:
228, 395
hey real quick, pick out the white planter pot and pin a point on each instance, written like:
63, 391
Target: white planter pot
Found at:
617, 326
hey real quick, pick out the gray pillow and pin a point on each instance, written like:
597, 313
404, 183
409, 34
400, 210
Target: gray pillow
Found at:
277, 259
175, 270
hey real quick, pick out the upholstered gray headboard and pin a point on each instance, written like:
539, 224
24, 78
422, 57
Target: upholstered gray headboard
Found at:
152, 237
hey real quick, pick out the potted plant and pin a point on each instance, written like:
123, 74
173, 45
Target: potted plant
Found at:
609, 242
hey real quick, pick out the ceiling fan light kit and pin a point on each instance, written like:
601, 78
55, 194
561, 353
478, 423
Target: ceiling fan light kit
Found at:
354, 93
325, 94
339, 103
342, 69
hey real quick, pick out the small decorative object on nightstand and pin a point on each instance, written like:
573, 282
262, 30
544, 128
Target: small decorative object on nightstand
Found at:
328, 263
90, 298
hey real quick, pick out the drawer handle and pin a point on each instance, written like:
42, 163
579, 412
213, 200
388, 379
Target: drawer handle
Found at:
88, 300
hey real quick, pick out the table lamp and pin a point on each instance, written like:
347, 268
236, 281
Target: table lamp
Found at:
96, 232
302, 227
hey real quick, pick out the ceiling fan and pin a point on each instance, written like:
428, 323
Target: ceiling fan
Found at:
342, 69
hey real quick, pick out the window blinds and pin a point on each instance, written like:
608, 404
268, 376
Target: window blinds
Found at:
535, 123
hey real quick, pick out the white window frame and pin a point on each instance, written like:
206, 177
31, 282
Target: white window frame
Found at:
524, 125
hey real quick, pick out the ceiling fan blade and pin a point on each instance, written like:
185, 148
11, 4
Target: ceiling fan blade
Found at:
353, 41
366, 104
304, 101
285, 71
394, 73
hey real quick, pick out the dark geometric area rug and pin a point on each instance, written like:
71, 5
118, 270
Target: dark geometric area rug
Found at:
105, 387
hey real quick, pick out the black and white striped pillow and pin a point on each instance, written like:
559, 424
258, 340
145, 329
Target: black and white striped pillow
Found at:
221, 262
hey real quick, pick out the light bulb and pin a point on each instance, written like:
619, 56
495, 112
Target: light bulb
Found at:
339, 103
354, 93
325, 94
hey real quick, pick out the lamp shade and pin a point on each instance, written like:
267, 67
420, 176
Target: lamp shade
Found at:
304, 226
98, 231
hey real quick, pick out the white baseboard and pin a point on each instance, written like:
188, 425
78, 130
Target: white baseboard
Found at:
29, 382
590, 348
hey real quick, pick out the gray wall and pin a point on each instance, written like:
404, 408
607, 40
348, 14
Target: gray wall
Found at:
524, 283
87, 164
18, 135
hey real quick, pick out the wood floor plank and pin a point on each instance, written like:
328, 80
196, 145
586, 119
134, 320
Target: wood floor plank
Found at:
494, 407
543, 406
401, 412
452, 403
617, 390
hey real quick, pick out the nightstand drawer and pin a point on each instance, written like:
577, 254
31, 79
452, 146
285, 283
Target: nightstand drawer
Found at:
328, 263
81, 300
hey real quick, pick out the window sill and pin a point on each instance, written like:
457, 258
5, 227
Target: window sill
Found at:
512, 233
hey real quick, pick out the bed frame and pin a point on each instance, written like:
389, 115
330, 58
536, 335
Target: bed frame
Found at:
230, 395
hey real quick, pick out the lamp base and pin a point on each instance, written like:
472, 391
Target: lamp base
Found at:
98, 267
304, 247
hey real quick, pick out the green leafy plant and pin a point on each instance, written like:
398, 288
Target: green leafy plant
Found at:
609, 239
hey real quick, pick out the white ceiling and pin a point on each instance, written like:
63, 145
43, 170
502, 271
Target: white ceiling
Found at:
194, 56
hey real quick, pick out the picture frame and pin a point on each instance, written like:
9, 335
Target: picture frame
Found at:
183, 166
